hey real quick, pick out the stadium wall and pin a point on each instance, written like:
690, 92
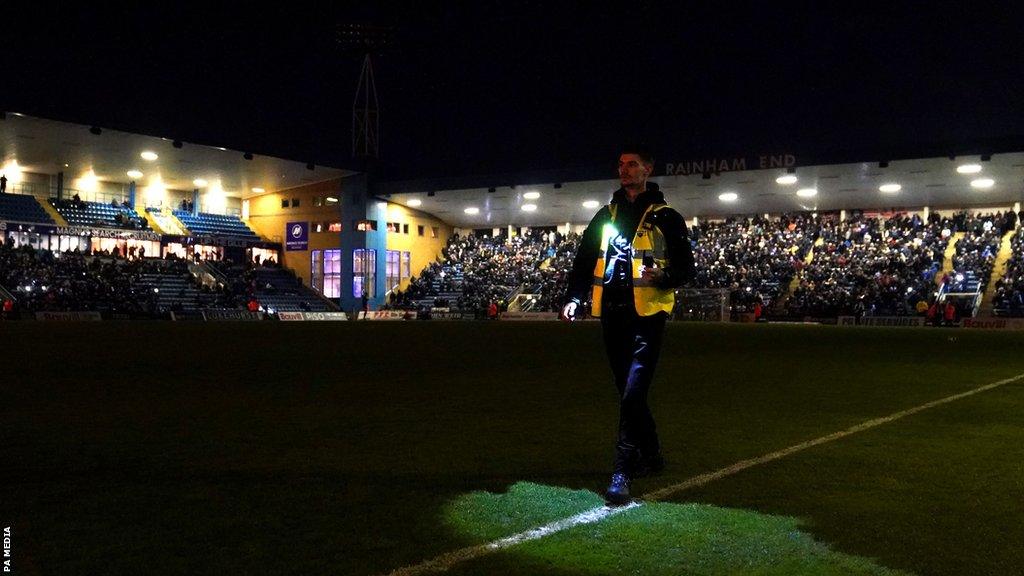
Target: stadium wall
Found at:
268, 216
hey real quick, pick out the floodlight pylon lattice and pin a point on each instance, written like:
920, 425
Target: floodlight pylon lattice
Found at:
367, 41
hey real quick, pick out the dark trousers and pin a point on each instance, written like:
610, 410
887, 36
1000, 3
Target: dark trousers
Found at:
633, 344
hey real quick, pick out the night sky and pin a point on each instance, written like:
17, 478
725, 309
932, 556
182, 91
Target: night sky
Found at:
510, 87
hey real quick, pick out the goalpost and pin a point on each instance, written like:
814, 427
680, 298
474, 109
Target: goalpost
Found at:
702, 304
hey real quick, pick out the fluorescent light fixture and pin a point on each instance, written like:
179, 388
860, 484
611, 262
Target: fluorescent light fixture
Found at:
147, 155
134, 174
807, 192
591, 204
415, 202
258, 190
728, 197
529, 207
890, 188
472, 210
531, 195
200, 183
969, 168
331, 199
983, 183
787, 179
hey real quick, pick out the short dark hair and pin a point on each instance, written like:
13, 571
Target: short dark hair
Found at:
640, 150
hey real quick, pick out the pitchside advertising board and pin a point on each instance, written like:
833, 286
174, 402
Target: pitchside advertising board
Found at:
296, 236
311, 316
902, 321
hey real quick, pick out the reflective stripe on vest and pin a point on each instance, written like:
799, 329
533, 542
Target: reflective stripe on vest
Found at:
648, 299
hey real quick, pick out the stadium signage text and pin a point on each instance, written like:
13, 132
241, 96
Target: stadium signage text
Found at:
534, 316
102, 233
718, 165
912, 321
387, 315
994, 323
244, 315
311, 316
68, 316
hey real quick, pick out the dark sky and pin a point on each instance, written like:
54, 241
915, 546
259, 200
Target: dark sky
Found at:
522, 86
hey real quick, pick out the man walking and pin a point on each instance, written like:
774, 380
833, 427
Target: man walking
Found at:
632, 256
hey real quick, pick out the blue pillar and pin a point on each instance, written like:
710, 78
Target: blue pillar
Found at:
195, 201
357, 204
131, 194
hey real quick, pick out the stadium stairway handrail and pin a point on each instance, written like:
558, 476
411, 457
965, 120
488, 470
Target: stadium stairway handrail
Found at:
207, 274
6, 295
214, 272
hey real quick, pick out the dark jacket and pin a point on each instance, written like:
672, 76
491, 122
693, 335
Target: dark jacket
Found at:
678, 251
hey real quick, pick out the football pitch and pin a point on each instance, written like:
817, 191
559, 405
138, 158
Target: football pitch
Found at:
372, 448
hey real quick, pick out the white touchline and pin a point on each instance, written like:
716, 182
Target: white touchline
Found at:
449, 559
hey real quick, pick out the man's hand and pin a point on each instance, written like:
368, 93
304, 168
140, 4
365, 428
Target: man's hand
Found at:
652, 274
569, 310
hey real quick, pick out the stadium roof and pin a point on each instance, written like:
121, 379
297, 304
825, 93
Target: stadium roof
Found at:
934, 182
48, 147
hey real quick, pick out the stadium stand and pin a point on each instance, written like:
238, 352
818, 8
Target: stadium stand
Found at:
1009, 295
96, 214
23, 208
474, 271
174, 287
166, 222
975, 252
274, 288
870, 266
215, 224
754, 258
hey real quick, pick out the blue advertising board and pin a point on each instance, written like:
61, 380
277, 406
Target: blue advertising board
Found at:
296, 236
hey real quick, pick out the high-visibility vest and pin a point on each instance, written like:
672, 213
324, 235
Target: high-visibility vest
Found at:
648, 299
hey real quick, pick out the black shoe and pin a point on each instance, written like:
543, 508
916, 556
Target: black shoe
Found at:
618, 491
650, 466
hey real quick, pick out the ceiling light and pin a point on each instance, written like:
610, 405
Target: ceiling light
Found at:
415, 202
134, 174
147, 155
332, 199
983, 183
890, 188
807, 192
969, 168
787, 179
472, 210
258, 190
591, 204
199, 183
529, 207
728, 197
531, 195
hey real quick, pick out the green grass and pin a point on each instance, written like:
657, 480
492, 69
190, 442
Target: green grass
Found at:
658, 538
348, 448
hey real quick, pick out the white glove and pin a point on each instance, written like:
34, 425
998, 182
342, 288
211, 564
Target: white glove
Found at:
569, 310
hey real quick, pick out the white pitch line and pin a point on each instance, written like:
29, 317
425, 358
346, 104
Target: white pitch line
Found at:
449, 559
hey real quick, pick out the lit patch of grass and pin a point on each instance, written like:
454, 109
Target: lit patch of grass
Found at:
488, 516
657, 538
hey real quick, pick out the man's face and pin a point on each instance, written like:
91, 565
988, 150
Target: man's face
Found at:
632, 171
